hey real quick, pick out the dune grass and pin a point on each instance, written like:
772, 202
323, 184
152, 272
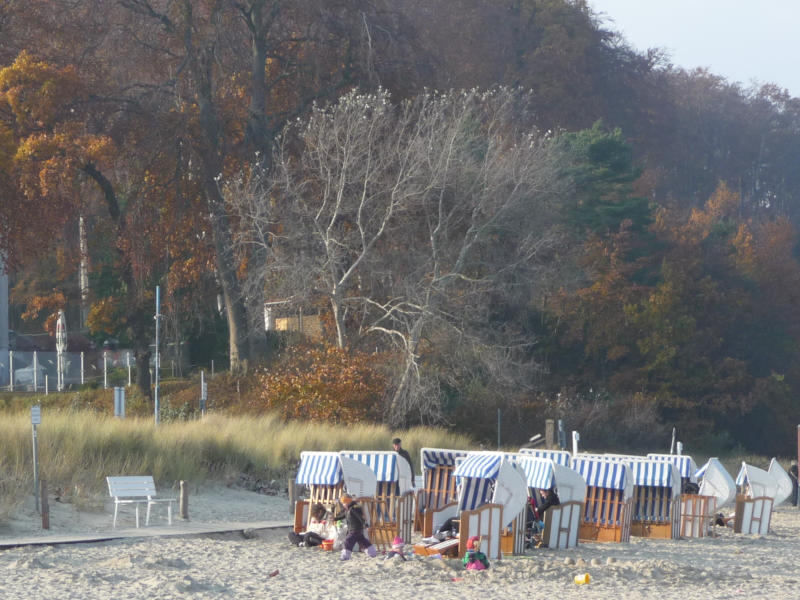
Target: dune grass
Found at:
78, 449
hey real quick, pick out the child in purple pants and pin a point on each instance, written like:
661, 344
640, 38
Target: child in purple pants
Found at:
356, 523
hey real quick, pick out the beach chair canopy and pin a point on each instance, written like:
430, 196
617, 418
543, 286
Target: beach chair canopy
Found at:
653, 473
757, 482
359, 479
560, 457
686, 465
716, 481
614, 475
476, 475
510, 491
319, 468
782, 479
542, 473
539, 472
430, 458
388, 466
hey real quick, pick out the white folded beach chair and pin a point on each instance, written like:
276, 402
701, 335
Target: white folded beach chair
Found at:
562, 522
754, 504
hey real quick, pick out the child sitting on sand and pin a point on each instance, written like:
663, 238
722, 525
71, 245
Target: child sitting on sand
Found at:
397, 549
474, 559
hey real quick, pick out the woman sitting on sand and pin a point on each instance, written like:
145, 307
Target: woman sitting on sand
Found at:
318, 529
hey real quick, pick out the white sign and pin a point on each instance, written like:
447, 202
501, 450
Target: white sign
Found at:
36, 415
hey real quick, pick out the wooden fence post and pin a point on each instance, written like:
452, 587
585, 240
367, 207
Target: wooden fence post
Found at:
184, 502
294, 492
550, 434
45, 504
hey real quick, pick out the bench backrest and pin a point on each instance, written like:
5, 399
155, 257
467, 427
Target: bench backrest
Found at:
134, 486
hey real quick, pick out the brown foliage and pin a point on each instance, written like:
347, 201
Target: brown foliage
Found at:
326, 383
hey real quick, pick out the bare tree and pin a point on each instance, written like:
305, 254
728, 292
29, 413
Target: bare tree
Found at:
413, 221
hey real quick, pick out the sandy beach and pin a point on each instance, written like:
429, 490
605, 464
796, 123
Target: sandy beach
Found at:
261, 563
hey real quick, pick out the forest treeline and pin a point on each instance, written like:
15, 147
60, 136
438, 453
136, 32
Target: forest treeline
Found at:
495, 208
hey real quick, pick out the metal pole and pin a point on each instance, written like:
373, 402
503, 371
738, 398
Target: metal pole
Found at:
35, 469
82, 373
46, 384
105, 369
129, 368
158, 302
10, 370
35, 371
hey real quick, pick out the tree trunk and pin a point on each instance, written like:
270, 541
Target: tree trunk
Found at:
142, 357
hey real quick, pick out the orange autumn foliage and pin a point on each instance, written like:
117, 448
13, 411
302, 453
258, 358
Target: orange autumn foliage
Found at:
326, 383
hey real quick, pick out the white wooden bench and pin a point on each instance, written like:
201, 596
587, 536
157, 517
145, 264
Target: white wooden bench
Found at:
136, 490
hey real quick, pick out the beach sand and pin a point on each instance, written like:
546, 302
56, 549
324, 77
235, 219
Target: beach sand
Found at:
263, 564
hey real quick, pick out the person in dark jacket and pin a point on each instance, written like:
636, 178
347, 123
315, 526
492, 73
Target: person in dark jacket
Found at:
549, 498
356, 523
404, 453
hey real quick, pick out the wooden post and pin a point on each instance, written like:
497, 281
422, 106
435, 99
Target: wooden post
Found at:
184, 501
45, 504
294, 492
550, 434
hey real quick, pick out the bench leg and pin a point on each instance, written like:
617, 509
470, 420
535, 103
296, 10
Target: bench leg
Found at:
116, 508
147, 520
169, 512
137, 515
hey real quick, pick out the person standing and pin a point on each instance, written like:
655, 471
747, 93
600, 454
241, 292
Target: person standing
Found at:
356, 523
396, 442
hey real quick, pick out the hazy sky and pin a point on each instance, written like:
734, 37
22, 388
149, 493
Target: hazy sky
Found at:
742, 40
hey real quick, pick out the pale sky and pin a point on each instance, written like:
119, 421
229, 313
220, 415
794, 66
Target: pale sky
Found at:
745, 41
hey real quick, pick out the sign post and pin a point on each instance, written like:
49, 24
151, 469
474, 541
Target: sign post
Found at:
203, 394
119, 402
158, 315
36, 419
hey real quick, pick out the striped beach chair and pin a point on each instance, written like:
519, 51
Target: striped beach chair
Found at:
437, 500
390, 511
608, 507
686, 465
560, 457
656, 492
562, 522
321, 473
486, 481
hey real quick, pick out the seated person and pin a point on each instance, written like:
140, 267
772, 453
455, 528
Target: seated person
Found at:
474, 559
448, 530
319, 528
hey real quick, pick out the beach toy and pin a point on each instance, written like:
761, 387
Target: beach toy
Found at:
582, 579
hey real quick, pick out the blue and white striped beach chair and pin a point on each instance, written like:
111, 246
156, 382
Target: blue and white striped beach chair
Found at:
491, 502
608, 507
439, 494
391, 510
321, 473
562, 522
